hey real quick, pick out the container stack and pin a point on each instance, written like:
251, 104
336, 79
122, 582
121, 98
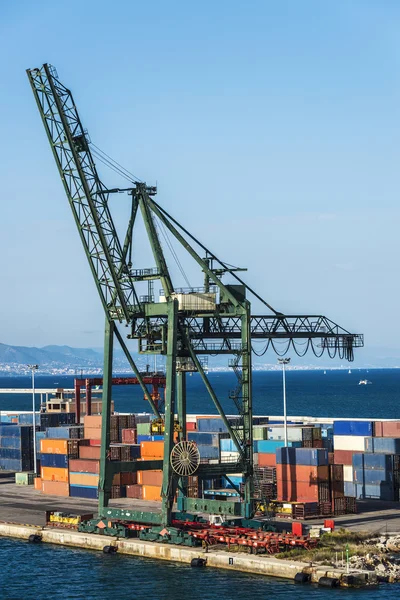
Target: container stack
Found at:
54, 470
16, 447
302, 475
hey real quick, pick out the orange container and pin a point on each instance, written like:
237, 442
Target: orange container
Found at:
89, 479
152, 449
48, 446
54, 474
92, 421
151, 492
344, 457
190, 426
92, 433
55, 488
303, 473
37, 482
266, 460
150, 477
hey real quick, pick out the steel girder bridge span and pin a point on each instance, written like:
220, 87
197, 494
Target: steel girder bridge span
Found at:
182, 324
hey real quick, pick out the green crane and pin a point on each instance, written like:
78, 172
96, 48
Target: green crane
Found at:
185, 325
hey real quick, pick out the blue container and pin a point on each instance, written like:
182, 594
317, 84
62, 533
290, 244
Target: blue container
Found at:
302, 456
55, 460
368, 460
83, 491
350, 489
211, 425
149, 438
208, 451
204, 439
10, 442
27, 419
386, 445
382, 491
364, 428
227, 445
327, 432
375, 476
73, 432
270, 446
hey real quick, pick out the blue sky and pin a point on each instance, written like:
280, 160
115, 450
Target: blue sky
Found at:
272, 131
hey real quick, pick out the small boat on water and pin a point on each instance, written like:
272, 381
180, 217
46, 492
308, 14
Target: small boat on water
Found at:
364, 382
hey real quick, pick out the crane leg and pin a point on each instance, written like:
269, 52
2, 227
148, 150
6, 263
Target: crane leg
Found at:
105, 475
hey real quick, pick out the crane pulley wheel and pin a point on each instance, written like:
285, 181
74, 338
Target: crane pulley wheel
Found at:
185, 458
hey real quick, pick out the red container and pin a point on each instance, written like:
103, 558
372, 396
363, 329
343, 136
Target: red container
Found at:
191, 426
378, 429
94, 442
297, 528
318, 444
134, 491
344, 457
92, 452
84, 465
128, 478
129, 436
266, 460
391, 429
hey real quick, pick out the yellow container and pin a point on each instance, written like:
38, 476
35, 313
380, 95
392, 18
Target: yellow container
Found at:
84, 479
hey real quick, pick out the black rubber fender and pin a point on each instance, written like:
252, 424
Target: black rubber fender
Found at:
198, 562
35, 538
328, 582
302, 578
110, 549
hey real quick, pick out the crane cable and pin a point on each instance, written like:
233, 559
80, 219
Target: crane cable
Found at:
112, 163
164, 233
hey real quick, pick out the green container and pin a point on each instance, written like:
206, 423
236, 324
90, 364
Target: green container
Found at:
25, 478
260, 433
143, 428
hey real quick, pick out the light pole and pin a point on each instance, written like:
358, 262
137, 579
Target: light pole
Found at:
284, 362
34, 368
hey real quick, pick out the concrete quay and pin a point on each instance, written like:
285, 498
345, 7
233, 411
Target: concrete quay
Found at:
260, 565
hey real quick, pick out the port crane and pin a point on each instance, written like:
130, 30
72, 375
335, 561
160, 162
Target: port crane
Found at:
182, 324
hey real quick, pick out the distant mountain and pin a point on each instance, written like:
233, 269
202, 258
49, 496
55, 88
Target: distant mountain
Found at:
51, 356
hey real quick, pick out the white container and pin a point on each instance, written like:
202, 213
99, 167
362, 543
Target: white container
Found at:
349, 442
294, 434
348, 473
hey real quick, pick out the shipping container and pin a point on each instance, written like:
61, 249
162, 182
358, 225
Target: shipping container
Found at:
348, 472
369, 460
373, 476
54, 460
65, 432
150, 478
269, 446
80, 491
294, 434
384, 445
89, 452
55, 488
387, 429
350, 489
84, 465
205, 439
266, 459
344, 457
56, 419
349, 442
152, 449
51, 446
54, 474
302, 472
212, 452
134, 491
151, 492
86, 479
129, 436
352, 428
211, 424
302, 456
